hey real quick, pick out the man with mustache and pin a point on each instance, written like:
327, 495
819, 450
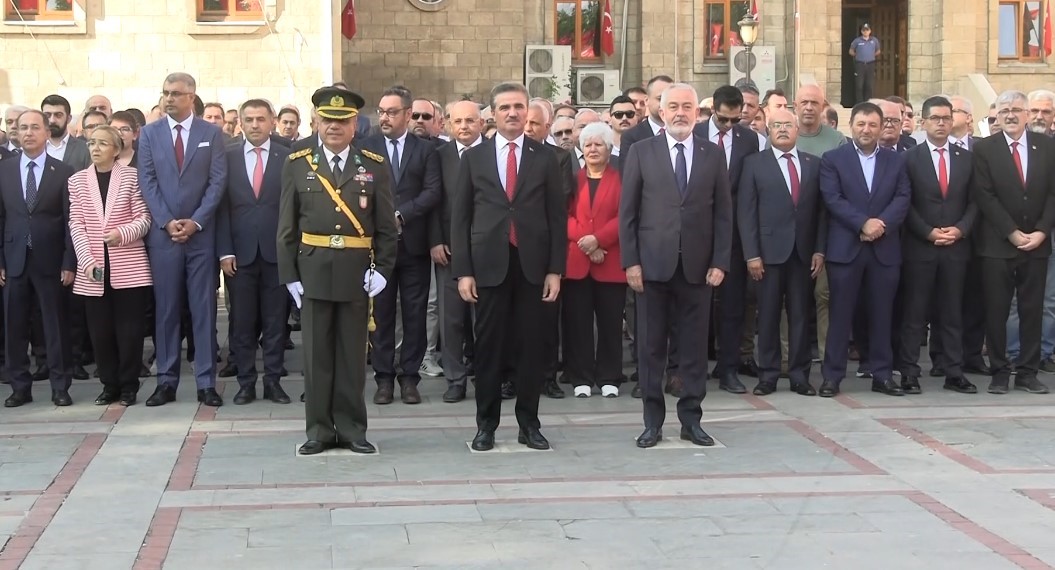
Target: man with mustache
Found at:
623, 117
675, 231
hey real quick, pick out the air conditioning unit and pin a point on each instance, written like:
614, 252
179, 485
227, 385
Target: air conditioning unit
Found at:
762, 63
597, 87
547, 72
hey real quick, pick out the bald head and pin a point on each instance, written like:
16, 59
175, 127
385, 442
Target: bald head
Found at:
465, 122
99, 103
809, 107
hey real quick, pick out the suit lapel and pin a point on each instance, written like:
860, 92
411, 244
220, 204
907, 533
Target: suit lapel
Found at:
773, 161
923, 161
527, 161
661, 156
409, 149
699, 154
194, 138
272, 172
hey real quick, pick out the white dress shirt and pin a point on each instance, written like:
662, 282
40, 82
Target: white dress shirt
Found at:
185, 123
794, 152
462, 148
250, 157
671, 141
1023, 151
580, 157
401, 145
330, 154
868, 164
656, 127
502, 154
57, 151
935, 155
962, 143
727, 141
38, 170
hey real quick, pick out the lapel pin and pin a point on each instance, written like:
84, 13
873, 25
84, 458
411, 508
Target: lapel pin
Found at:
361, 169
1034, 148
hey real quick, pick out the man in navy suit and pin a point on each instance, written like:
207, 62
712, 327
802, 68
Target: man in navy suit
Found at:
182, 174
784, 230
866, 189
246, 225
37, 259
417, 187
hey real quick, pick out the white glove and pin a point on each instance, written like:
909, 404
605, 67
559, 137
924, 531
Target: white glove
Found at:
296, 290
374, 283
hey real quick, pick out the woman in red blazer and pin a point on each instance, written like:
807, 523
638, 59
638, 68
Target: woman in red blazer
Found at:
595, 284
108, 219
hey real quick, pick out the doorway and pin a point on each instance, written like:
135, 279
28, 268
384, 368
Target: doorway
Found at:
889, 22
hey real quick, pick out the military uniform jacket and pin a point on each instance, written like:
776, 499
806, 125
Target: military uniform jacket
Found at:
329, 274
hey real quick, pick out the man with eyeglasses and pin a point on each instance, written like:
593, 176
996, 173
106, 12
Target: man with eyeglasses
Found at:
417, 187
423, 120
91, 121
993, 124
937, 251
561, 130
1015, 193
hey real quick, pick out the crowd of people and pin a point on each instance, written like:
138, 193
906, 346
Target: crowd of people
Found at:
517, 244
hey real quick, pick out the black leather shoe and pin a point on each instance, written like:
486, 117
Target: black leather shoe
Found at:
79, 373
312, 447
828, 389
552, 390
361, 446
275, 393
649, 438
384, 394
106, 398
764, 389
61, 398
731, 383
910, 385
18, 398
532, 438
454, 393
999, 385
748, 368
289, 344
696, 435
1030, 384
409, 394
41, 373
484, 441
127, 399
161, 396
209, 397
804, 389
508, 391
637, 392
888, 387
937, 372
245, 395
960, 384
228, 371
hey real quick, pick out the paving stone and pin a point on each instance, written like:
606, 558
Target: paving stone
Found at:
405, 515
109, 561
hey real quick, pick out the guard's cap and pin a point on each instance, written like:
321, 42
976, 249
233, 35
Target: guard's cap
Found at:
865, 26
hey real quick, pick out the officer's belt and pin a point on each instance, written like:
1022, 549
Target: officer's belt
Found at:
337, 241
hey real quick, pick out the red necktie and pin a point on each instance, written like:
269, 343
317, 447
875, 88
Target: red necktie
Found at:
943, 173
721, 140
258, 172
179, 147
793, 174
511, 185
1018, 162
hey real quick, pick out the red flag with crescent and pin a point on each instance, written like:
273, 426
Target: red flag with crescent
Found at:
607, 33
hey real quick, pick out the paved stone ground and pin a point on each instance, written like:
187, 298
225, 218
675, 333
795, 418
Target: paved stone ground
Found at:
940, 480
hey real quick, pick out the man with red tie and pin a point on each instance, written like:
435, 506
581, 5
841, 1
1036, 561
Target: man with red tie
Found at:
936, 251
508, 251
1015, 193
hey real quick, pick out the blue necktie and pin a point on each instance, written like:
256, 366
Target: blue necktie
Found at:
395, 160
681, 170
31, 197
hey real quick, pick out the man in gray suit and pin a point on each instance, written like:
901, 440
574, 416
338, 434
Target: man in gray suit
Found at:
675, 231
182, 174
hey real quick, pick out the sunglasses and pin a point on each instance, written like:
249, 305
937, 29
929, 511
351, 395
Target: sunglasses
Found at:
992, 120
421, 116
564, 133
726, 120
624, 114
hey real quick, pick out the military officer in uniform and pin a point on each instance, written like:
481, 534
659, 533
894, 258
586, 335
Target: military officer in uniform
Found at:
336, 229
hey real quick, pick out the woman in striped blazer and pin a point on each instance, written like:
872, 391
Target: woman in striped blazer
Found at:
108, 219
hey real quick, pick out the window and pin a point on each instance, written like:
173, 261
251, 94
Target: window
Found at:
37, 10
229, 10
722, 25
1020, 30
578, 24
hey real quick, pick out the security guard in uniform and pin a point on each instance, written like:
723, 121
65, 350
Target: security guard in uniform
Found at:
336, 229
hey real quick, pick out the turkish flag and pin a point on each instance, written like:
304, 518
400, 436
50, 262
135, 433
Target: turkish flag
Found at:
1047, 28
754, 10
607, 34
348, 20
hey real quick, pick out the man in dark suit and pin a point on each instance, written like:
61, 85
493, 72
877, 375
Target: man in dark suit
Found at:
466, 126
867, 192
1015, 192
182, 174
784, 230
246, 225
653, 123
37, 259
736, 142
417, 187
675, 231
509, 249
936, 249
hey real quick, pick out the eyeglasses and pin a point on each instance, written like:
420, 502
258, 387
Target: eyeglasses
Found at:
964, 111
891, 121
992, 120
124, 130
624, 114
1011, 111
726, 120
781, 126
421, 116
940, 118
92, 127
560, 134
393, 113
174, 94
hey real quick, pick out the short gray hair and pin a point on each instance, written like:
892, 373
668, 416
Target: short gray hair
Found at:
1042, 95
540, 107
597, 131
962, 102
1011, 96
678, 87
16, 109
557, 120
181, 77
